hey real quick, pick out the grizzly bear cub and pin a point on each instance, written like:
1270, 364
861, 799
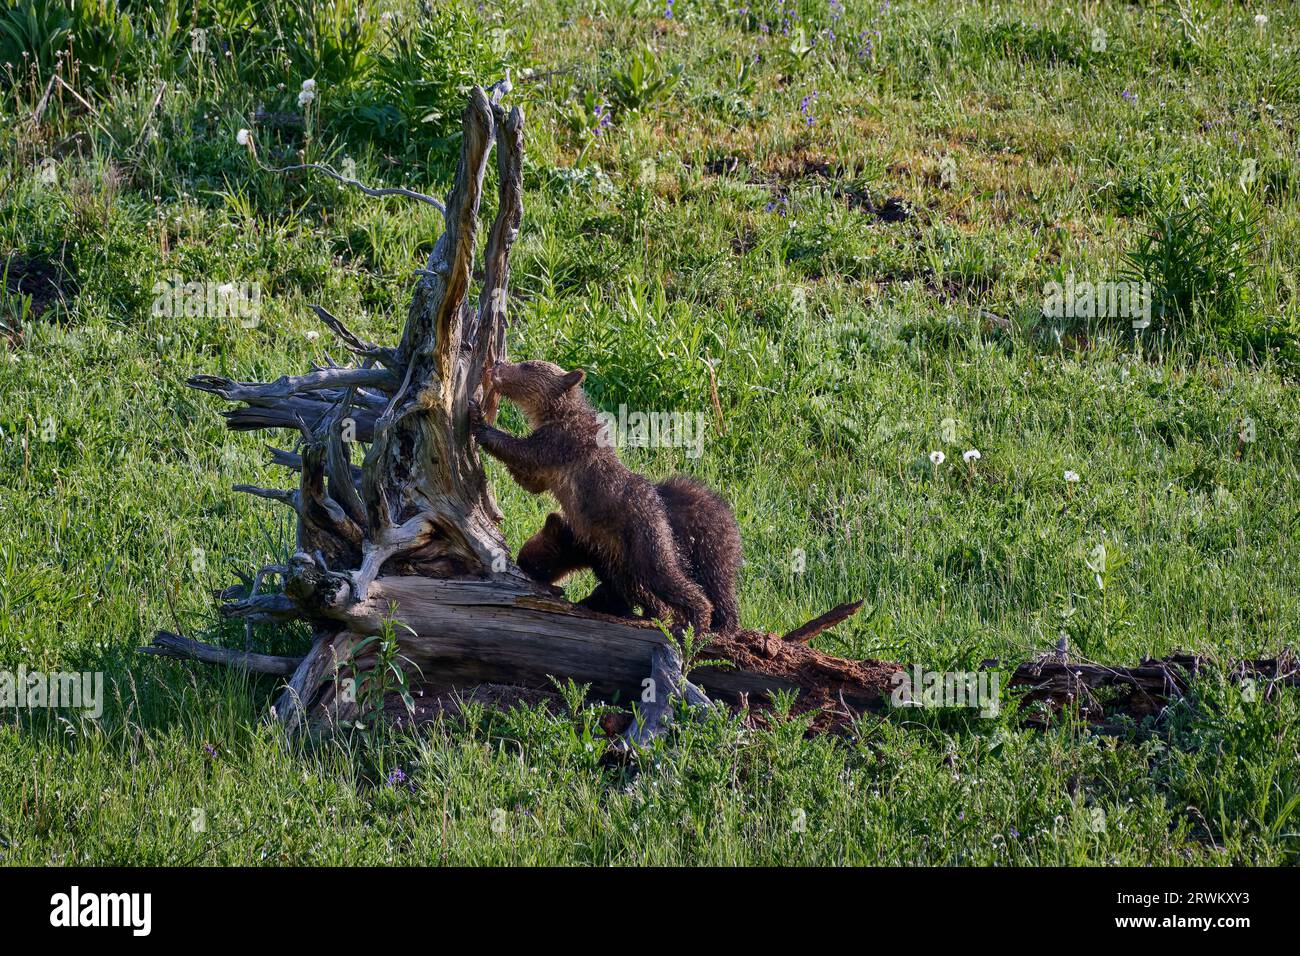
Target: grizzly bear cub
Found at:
674, 549
708, 547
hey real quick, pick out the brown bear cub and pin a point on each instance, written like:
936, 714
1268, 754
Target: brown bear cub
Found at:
708, 546
673, 549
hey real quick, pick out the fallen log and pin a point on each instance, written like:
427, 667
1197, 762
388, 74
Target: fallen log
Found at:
1098, 690
472, 636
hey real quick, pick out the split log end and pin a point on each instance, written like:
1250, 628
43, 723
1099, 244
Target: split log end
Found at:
806, 632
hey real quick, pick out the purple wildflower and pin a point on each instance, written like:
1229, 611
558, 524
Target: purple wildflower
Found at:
837, 9
602, 117
210, 751
806, 107
397, 777
1129, 96
867, 51
668, 10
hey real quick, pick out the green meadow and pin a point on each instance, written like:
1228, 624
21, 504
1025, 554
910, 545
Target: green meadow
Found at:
840, 232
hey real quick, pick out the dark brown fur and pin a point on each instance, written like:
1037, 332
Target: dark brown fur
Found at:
708, 545
668, 548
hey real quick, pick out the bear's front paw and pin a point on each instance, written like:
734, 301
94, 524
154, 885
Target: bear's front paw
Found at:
476, 422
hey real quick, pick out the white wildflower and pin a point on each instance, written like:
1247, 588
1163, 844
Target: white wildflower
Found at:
312, 335
309, 86
242, 137
305, 98
1072, 477
937, 458
1261, 19
971, 455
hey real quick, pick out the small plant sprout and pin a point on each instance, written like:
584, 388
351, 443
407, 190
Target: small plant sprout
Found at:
1245, 435
1249, 173
947, 171
1096, 562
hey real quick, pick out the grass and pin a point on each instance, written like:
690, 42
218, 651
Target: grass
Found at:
852, 236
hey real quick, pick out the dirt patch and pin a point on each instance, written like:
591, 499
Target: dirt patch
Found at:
891, 209
744, 242
782, 172
796, 167
722, 165
48, 283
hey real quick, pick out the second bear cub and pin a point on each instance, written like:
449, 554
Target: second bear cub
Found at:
613, 519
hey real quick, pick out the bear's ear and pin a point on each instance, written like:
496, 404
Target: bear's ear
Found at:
573, 378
